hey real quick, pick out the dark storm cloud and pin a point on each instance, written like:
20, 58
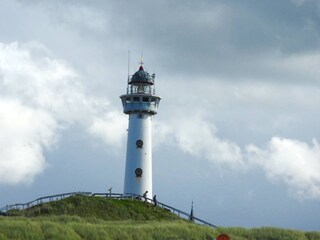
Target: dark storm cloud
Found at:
227, 40
224, 39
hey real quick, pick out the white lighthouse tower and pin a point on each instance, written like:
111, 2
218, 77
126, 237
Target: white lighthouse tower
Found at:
140, 103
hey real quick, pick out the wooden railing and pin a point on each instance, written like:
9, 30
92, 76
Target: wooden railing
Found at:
20, 206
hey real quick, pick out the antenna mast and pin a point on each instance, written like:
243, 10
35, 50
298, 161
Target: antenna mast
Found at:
128, 65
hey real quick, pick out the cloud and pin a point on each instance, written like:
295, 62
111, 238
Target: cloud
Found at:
110, 128
40, 96
297, 68
247, 40
29, 74
25, 133
37, 97
288, 161
78, 15
292, 162
199, 138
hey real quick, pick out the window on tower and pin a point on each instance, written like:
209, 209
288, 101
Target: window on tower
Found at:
140, 89
145, 99
139, 143
138, 172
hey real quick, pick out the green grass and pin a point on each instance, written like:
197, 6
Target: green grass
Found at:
98, 208
68, 227
83, 217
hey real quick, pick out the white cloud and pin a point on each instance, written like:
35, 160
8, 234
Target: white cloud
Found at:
41, 95
30, 85
199, 138
39, 81
25, 133
288, 161
292, 162
111, 128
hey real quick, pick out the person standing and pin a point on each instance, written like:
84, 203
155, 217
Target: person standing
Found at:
155, 200
145, 196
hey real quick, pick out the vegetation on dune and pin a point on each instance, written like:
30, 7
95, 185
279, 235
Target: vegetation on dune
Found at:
74, 227
84, 217
68, 227
98, 208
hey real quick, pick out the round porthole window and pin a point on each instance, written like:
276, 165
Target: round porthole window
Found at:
138, 172
139, 143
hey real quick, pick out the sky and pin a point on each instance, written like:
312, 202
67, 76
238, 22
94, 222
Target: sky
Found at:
237, 130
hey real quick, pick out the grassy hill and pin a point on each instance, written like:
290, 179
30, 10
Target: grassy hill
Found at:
84, 217
101, 208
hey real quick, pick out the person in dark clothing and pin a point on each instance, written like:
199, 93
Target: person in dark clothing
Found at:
145, 196
155, 200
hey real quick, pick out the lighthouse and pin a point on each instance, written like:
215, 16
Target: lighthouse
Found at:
140, 103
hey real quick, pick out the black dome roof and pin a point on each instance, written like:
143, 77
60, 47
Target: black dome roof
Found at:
141, 76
